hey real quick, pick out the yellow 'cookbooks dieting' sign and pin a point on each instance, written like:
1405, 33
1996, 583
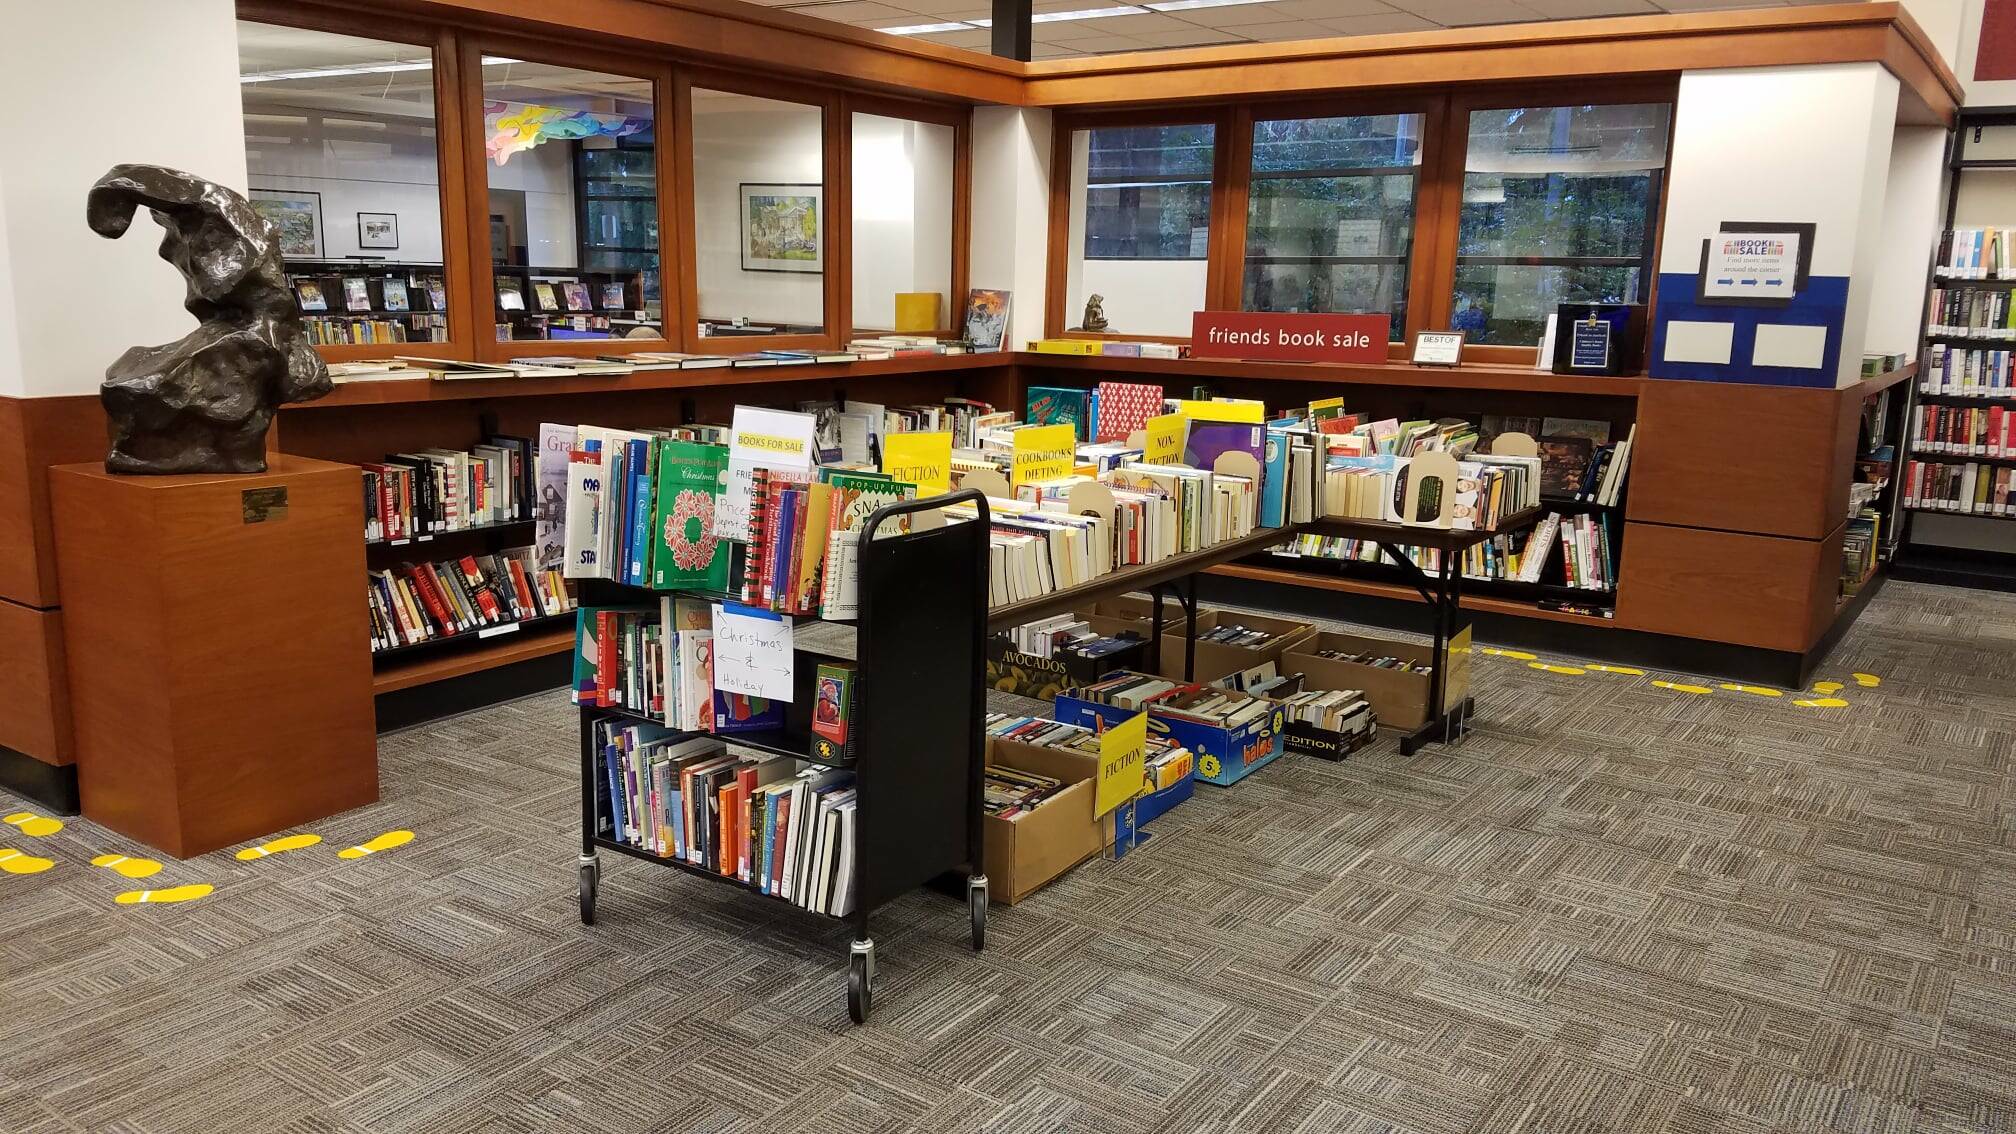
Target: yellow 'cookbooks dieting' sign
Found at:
1044, 452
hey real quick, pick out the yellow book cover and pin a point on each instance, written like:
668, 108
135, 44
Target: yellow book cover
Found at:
917, 311
812, 549
1066, 346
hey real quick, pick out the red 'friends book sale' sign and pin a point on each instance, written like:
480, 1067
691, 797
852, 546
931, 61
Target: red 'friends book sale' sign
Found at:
1269, 336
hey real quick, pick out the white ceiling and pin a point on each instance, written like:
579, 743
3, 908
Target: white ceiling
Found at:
1239, 21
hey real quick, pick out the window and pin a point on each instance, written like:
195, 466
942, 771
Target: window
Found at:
343, 158
1140, 226
1330, 221
573, 202
1559, 206
759, 214
902, 224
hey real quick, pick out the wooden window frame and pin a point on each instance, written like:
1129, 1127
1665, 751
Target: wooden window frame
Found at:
1057, 271
1432, 106
960, 119
834, 160
450, 131
476, 170
1455, 154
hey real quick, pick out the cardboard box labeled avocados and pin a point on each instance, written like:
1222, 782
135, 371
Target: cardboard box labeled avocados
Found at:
1398, 696
1027, 851
1009, 670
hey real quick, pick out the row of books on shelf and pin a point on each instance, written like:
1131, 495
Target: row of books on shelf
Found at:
1963, 487
1964, 431
1968, 371
1974, 311
563, 296
1108, 348
615, 365
1859, 547
1587, 558
771, 823
432, 491
1980, 253
472, 595
356, 330
369, 294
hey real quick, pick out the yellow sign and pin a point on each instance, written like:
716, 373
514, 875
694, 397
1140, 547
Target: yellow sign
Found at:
1044, 452
1163, 443
795, 446
1241, 413
1123, 763
923, 459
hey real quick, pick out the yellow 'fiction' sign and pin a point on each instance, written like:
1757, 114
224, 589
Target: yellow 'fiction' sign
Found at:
1044, 452
1123, 763
923, 459
1163, 440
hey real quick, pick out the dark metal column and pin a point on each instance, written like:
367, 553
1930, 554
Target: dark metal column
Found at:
1012, 29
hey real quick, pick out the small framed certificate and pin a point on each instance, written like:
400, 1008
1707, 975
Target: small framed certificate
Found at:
1438, 348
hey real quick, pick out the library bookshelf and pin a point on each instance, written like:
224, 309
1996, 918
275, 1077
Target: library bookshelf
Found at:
917, 743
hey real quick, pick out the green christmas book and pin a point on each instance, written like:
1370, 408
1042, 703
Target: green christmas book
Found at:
686, 551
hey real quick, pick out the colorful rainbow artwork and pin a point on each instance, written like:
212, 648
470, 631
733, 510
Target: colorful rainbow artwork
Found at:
514, 127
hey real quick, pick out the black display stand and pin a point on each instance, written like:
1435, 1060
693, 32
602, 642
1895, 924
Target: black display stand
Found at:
918, 726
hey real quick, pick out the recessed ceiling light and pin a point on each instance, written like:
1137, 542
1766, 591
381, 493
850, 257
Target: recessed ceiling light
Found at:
1187, 5
360, 69
1087, 14
926, 29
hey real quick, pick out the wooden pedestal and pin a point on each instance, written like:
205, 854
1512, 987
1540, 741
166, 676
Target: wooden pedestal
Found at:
219, 665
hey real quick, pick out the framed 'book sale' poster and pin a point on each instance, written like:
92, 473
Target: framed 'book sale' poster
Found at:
780, 228
297, 213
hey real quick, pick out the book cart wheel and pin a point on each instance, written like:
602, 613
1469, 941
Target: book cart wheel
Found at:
591, 873
976, 897
860, 981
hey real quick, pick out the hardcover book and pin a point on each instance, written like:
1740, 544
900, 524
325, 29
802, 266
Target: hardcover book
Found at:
1056, 405
1125, 407
688, 553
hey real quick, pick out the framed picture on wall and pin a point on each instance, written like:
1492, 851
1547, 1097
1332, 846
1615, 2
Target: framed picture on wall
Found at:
377, 230
297, 213
780, 228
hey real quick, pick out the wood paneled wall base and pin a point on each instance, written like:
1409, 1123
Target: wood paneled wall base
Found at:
219, 663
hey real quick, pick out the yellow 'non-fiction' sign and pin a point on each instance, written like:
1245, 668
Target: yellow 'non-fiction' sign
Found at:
1044, 452
1163, 440
1240, 413
923, 459
1123, 763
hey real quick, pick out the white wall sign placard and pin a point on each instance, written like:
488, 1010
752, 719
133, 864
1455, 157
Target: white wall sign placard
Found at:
1751, 265
777, 440
752, 652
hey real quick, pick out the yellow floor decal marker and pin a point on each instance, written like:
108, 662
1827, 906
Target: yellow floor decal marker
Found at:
1757, 690
1623, 669
1826, 687
1522, 655
278, 846
1823, 703
1555, 668
159, 897
1677, 687
1868, 680
386, 841
15, 862
33, 824
128, 867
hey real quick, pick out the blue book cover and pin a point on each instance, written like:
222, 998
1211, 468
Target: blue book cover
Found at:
792, 508
769, 840
734, 712
617, 799
1209, 439
674, 815
636, 558
1274, 481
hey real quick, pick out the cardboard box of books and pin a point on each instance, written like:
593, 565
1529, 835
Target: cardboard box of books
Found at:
1227, 749
1028, 848
1012, 670
1141, 608
1386, 671
1130, 817
1217, 659
1328, 724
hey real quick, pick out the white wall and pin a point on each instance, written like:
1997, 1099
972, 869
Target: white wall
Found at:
1140, 297
738, 139
545, 174
118, 81
902, 216
1912, 207
399, 175
1011, 209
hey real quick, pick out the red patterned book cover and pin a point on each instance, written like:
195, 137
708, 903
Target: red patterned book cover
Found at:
1125, 407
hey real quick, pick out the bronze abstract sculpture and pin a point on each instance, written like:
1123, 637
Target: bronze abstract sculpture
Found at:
202, 404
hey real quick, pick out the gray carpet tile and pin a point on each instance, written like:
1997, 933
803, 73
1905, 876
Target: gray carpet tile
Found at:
1613, 908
